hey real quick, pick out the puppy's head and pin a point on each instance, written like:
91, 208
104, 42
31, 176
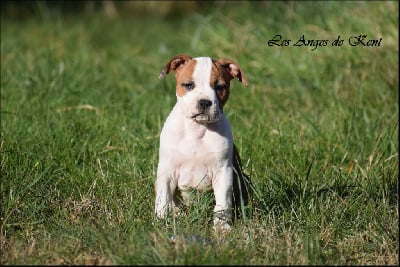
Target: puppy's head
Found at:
202, 85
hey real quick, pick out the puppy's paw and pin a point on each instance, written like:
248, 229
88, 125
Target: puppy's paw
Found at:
222, 226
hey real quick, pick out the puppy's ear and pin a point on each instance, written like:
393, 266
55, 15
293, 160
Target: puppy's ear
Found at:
174, 64
233, 69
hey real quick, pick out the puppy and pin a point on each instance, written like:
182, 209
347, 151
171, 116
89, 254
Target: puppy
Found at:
196, 147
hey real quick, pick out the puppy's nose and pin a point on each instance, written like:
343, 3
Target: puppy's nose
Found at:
204, 104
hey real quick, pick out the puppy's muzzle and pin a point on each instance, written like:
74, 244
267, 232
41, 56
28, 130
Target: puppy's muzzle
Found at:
206, 111
203, 105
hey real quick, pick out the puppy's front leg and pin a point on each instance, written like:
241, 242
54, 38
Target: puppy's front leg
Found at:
164, 192
222, 186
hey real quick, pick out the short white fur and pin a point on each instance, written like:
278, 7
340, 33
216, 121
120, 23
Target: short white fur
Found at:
196, 155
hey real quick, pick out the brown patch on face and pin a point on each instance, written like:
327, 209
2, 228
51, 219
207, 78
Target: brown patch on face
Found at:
183, 66
184, 76
222, 72
220, 81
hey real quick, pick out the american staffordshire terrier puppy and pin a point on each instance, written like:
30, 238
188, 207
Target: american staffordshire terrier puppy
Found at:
196, 147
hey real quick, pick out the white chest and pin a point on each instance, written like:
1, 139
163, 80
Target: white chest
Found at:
192, 153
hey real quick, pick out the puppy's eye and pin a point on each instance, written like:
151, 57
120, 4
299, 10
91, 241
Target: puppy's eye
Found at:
219, 87
188, 86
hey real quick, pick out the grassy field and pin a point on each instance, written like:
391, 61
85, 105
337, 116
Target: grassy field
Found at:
317, 129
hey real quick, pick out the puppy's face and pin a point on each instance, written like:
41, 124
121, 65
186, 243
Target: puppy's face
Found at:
202, 85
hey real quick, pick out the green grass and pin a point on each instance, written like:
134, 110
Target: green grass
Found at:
82, 108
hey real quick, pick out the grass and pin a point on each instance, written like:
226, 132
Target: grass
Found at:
82, 108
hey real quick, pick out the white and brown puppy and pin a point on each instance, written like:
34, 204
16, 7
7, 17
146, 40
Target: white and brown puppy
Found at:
196, 147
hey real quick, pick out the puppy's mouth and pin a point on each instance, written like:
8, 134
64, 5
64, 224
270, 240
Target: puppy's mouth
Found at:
205, 117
